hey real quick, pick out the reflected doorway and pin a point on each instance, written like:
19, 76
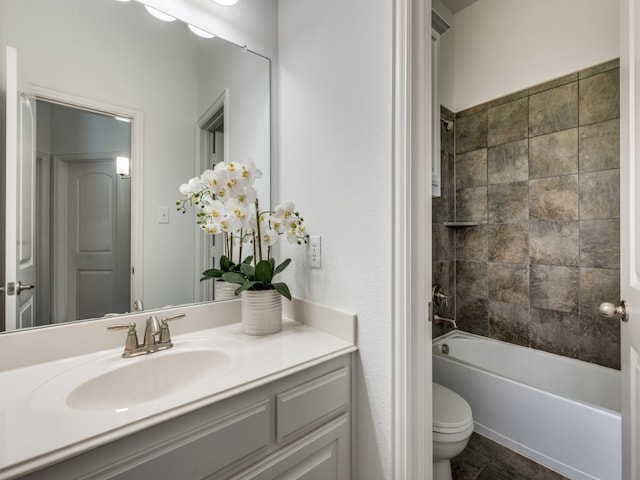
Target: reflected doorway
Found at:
83, 214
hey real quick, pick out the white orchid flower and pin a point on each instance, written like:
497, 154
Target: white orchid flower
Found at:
269, 237
214, 208
285, 210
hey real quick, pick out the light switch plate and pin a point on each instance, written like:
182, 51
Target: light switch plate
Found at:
163, 214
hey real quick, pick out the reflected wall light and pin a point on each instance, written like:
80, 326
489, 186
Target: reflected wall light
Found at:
159, 15
123, 166
200, 32
228, 3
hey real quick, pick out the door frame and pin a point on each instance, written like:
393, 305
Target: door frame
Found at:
411, 344
136, 117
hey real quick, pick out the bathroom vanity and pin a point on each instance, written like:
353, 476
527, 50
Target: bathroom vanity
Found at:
219, 404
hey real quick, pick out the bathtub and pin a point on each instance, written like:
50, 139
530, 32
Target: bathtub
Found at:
557, 411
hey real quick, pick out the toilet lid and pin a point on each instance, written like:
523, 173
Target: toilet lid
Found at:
450, 411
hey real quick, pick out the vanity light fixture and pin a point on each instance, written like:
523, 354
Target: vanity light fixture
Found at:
159, 15
123, 167
200, 32
227, 3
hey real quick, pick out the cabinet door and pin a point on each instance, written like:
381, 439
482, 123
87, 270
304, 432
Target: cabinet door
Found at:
321, 455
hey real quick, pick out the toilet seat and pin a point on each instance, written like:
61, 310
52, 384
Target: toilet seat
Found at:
451, 412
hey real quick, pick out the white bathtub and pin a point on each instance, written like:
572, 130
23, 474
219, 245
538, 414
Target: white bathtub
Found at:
560, 412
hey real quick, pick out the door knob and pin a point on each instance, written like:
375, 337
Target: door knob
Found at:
610, 310
20, 287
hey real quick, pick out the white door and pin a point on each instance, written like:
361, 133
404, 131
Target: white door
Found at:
630, 233
91, 236
20, 229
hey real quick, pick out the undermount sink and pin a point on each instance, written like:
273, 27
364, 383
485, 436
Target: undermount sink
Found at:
149, 378
118, 384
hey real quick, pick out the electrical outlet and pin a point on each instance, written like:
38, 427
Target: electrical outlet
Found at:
315, 251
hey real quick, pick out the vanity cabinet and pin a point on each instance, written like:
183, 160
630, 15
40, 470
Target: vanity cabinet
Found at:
298, 426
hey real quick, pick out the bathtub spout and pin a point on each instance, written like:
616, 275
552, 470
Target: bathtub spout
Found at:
438, 318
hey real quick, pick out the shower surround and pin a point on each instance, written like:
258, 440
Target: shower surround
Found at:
538, 171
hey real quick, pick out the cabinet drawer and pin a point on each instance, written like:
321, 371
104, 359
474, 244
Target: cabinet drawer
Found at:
308, 405
217, 448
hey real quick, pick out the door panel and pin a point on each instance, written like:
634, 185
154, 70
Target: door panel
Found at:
630, 231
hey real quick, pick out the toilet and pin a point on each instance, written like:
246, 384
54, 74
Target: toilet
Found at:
452, 428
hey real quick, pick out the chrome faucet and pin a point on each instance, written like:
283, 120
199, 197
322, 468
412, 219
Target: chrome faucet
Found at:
156, 336
438, 318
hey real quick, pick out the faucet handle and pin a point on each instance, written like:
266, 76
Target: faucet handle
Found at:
165, 335
132, 337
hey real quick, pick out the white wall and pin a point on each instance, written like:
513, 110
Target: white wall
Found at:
335, 71
497, 47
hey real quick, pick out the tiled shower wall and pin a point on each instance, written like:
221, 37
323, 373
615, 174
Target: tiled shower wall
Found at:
538, 171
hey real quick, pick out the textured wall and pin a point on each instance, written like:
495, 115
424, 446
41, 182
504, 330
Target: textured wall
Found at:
538, 171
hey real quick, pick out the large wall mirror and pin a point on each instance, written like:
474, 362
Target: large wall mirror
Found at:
114, 109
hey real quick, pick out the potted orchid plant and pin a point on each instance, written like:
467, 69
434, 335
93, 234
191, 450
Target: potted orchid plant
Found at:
227, 204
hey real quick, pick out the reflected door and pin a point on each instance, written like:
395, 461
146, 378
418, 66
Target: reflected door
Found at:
91, 239
20, 266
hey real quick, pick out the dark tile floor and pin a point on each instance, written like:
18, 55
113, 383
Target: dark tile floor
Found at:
484, 459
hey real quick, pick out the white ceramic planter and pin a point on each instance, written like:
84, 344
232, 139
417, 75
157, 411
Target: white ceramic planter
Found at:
225, 290
261, 312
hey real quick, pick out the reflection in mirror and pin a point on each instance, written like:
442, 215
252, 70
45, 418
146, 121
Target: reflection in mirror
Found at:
189, 101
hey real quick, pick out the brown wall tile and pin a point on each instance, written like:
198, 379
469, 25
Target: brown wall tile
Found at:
554, 243
599, 146
508, 123
471, 244
546, 196
509, 283
553, 110
600, 195
471, 132
555, 332
554, 199
554, 154
471, 168
508, 202
509, 243
471, 205
600, 243
600, 97
508, 163
554, 288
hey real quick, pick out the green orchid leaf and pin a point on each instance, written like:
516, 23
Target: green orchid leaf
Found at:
282, 266
264, 273
282, 289
272, 262
233, 277
225, 263
248, 271
249, 259
211, 273
245, 286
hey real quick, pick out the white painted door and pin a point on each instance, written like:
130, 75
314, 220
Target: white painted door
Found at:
89, 241
630, 233
20, 228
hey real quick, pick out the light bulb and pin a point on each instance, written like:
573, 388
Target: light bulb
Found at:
200, 32
159, 15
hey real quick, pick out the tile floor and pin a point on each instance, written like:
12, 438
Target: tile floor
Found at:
484, 459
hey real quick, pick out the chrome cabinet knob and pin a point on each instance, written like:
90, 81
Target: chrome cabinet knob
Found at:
609, 310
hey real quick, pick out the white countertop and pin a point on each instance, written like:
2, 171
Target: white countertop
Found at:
38, 428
